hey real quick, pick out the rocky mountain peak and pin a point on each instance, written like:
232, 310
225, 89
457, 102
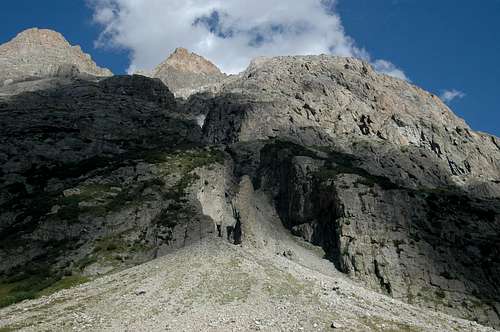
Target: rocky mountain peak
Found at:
183, 60
186, 73
41, 53
42, 37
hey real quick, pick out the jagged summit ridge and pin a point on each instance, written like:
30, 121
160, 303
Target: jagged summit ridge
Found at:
41, 53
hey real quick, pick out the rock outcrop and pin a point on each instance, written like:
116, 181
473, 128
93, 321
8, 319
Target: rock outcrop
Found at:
92, 165
400, 192
434, 246
37, 53
315, 100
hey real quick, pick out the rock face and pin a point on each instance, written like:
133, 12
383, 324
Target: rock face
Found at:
91, 168
103, 173
317, 99
434, 246
187, 73
36, 53
400, 192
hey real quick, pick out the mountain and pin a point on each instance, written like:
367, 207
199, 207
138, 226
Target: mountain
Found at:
36, 53
186, 73
306, 193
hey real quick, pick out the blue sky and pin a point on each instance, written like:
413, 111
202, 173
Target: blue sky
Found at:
439, 44
72, 18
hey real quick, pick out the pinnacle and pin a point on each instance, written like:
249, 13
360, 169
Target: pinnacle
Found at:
180, 51
184, 60
41, 35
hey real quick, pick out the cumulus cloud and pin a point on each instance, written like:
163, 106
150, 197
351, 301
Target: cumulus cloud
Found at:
449, 95
229, 33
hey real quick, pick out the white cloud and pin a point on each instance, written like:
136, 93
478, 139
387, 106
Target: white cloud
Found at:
388, 68
449, 95
228, 32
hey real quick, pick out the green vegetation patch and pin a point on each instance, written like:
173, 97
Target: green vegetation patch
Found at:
341, 164
101, 199
111, 247
187, 159
34, 284
114, 253
64, 283
8, 329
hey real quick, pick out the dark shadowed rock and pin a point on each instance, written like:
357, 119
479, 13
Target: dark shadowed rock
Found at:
97, 167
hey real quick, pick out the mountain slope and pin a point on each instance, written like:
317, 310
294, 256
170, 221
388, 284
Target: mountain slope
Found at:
402, 194
40, 53
317, 99
215, 286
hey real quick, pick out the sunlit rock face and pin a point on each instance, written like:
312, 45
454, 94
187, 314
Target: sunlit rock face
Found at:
37, 53
186, 73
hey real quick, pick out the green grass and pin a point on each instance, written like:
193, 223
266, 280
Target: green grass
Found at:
86, 261
188, 159
105, 198
114, 252
332, 170
64, 283
26, 287
117, 244
21, 287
